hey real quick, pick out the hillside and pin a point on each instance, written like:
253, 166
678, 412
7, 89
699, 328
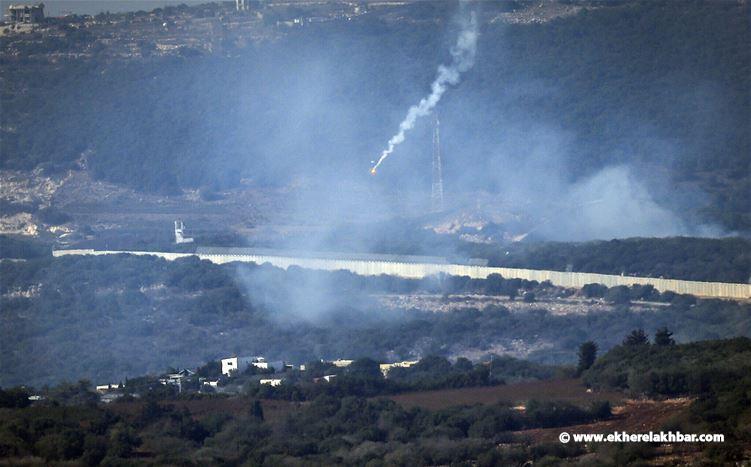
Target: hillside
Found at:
144, 314
342, 423
699, 259
663, 88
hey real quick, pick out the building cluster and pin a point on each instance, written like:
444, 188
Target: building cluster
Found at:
180, 237
253, 369
210, 28
26, 13
202, 29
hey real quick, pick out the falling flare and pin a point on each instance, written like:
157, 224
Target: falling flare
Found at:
463, 57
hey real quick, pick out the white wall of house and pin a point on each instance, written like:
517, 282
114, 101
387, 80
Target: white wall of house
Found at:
236, 364
272, 382
386, 367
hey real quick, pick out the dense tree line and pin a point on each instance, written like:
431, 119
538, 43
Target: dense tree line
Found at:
19, 247
363, 378
716, 373
664, 368
699, 259
329, 430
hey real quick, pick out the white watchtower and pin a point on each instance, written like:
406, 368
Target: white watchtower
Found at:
179, 236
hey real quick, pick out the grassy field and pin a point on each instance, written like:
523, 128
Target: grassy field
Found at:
634, 416
571, 390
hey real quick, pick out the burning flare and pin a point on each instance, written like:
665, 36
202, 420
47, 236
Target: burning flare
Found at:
463, 57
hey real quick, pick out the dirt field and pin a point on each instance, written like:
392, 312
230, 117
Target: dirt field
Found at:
570, 390
633, 416
557, 306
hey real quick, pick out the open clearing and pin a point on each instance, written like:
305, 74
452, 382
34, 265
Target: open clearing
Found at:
634, 416
571, 390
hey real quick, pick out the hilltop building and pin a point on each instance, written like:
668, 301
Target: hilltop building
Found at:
272, 381
386, 367
180, 233
26, 13
340, 363
242, 363
237, 364
177, 378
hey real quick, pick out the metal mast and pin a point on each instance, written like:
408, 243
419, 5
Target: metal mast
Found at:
436, 192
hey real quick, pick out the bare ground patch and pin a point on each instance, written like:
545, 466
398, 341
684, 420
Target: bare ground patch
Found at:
571, 390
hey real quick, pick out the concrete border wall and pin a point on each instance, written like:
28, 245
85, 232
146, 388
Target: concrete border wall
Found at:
420, 270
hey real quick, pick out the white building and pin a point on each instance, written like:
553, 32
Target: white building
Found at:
235, 364
341, 363
176, 379
260, 362
208, 382
386, 367
109, 392
326, 378
242, 363
180, 233
107, 387
26, 13
272, 381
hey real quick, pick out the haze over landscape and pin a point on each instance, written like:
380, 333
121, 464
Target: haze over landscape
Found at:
419, 233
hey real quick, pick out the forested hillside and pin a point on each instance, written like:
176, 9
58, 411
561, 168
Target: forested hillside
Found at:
106, 318
714, 373
662, 86
699, 259
343, 422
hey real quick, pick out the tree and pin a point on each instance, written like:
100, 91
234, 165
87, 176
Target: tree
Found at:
94, 449
65, 444
365, 368
256, 410
494, 284
663, 337
463, 364
637, 337
618, 295
587, 356
122, 440
594, 290
212, 369
14, 397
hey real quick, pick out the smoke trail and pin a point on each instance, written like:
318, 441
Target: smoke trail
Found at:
463, 57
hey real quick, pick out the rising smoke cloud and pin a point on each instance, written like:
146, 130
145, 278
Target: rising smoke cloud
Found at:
463, 58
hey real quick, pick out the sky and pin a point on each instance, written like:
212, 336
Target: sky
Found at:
92, 7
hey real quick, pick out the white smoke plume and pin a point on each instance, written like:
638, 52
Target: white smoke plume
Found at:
463, 57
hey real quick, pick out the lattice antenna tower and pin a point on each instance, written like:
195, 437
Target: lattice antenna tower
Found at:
436, 192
